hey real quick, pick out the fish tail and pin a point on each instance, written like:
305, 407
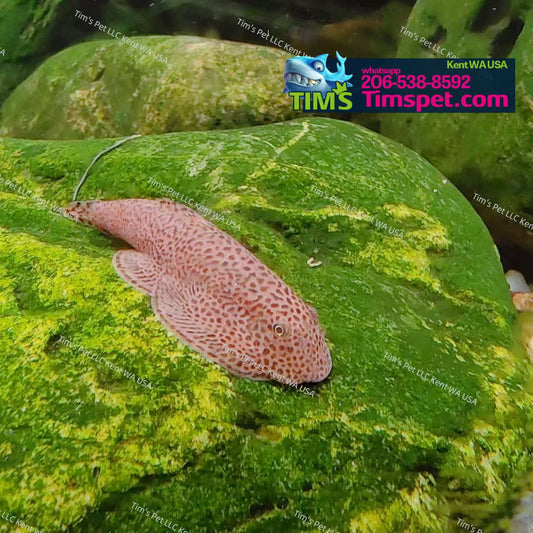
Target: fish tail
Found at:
81, 211
125, 219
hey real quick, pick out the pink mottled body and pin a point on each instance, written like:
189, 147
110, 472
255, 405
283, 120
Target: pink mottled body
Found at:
211, 291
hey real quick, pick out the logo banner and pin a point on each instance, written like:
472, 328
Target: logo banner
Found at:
321, 84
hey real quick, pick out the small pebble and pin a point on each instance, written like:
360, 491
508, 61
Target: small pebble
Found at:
312, 263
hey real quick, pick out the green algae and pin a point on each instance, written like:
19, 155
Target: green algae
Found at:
496, 165
26, 27
375, 449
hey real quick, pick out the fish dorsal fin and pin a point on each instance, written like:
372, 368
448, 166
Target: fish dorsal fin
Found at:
137, 269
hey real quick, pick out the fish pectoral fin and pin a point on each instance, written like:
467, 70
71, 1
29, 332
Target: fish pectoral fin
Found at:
187, 307
177, 302
137, 269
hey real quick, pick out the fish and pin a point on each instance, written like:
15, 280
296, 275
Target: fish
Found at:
210, 291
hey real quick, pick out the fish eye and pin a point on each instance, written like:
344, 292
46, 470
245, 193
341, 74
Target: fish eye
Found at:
279, 330
318, 65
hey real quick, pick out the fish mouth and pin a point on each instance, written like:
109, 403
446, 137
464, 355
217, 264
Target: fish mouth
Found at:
300, 79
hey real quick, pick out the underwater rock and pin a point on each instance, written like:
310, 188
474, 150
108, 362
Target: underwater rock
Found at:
486, 153
11, 75
148, 85
25, 26
426, 411
32, 30
521, 523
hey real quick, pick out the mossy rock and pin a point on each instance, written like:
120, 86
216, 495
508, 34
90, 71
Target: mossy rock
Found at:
11, 74
24, 26
33, 30
486, 153
149, 85
375, 449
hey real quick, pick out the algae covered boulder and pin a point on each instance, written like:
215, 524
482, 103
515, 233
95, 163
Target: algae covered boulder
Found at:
111, 424
490, 154
26, 26
148, 85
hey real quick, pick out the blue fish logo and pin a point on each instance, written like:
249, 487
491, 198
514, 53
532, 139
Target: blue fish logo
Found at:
310, 74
